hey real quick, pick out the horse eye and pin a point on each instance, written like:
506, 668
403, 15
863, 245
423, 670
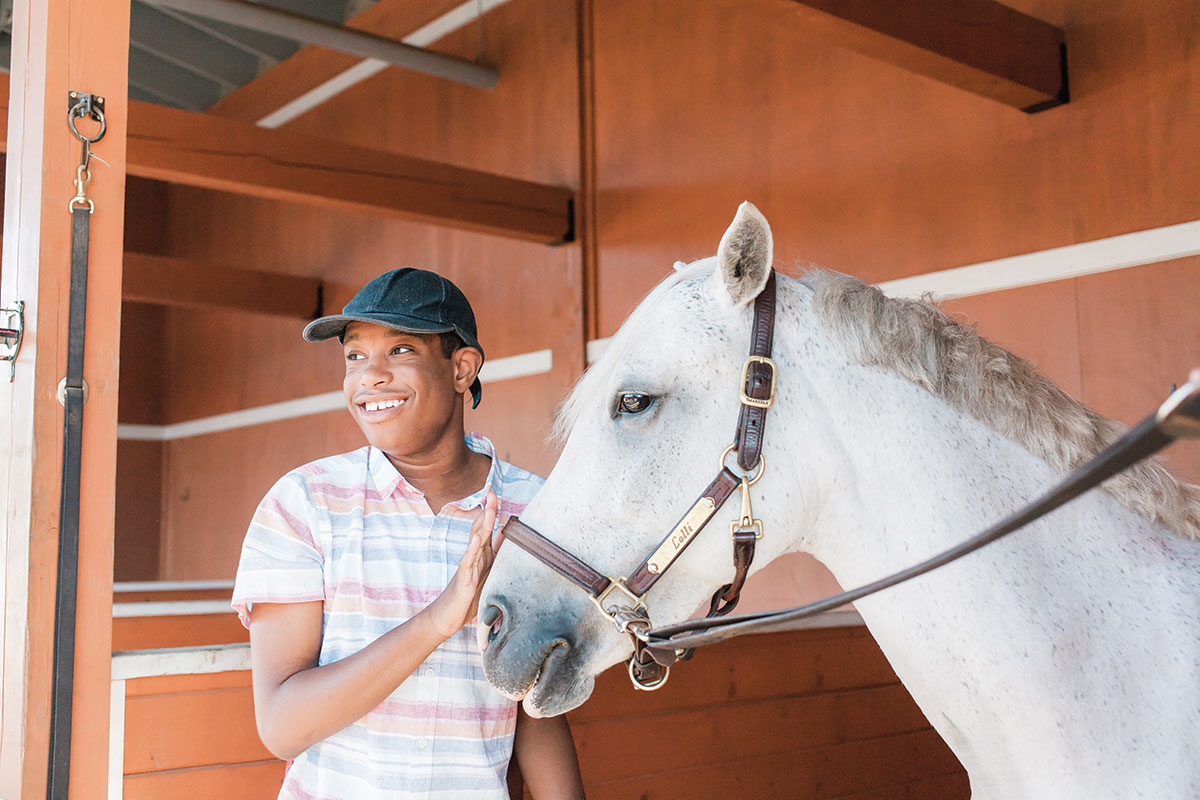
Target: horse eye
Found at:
633, 403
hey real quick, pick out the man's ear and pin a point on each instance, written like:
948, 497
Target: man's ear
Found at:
467, 362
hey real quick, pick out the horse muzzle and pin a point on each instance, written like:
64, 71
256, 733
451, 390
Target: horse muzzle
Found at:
533, 658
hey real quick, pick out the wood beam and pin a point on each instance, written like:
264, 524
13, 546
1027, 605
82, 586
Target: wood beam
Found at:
203, 150
58, 46
180, 283
977, 45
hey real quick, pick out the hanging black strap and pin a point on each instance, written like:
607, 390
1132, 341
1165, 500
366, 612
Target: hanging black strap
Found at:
72, 395
68, 515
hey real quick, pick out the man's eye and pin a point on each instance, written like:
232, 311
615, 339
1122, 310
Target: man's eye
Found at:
353, 356
403, 348
633, 403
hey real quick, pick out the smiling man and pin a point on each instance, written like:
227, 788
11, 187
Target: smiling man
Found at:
360, 576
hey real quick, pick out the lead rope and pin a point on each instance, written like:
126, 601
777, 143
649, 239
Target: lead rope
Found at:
72, 394
1177, 418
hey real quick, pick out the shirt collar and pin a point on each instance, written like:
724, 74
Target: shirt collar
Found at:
388, 480
481, 444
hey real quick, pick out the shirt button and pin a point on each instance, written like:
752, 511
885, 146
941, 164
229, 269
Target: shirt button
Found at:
422, 743
429, 672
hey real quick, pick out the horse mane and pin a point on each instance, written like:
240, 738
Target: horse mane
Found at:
922, 344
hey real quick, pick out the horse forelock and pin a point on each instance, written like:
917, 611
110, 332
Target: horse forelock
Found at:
922, 344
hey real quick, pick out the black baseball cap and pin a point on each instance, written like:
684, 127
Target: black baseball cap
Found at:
408, 299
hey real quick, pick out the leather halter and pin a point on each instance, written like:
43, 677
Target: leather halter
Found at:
622, 599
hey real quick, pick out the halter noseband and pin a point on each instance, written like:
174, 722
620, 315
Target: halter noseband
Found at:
622, 599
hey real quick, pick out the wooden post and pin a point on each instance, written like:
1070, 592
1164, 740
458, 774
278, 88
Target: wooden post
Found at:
59, 46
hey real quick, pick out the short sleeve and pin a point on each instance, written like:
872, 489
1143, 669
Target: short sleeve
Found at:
281, 560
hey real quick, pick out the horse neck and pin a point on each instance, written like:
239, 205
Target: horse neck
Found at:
888, 475
905, 476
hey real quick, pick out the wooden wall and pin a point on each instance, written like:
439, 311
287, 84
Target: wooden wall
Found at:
807, 714
860, 166
193, 736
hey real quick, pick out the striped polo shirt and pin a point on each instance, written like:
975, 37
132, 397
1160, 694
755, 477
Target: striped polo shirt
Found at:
351, 531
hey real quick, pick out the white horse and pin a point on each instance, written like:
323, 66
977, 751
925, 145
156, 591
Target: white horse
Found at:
1060, 662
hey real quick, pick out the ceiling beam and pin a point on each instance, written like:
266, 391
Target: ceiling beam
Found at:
317, 71
181, 283
977, 45
363, 44
214, 153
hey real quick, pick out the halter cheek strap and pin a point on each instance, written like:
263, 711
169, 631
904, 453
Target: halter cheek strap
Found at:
622, 599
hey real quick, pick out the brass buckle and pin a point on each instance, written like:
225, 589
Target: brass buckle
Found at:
615, 585
747, 400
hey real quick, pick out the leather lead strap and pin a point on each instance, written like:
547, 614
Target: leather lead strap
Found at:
63, 676
1178, 418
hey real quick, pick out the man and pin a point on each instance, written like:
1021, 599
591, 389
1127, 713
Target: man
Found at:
361, 572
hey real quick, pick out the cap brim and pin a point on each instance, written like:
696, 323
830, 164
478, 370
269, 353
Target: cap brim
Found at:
333, 325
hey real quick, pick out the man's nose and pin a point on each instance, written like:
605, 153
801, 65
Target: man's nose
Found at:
374, 374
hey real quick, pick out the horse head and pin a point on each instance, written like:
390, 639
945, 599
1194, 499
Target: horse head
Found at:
644, 432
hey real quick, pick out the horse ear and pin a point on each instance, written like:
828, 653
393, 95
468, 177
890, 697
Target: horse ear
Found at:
744, 256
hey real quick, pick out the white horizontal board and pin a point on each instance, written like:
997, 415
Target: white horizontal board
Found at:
131, 664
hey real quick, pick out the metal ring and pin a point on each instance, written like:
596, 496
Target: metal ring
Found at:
96, 112
649, 686
761, 466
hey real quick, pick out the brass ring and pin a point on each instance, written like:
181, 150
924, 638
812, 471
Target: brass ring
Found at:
761, 466
650, 686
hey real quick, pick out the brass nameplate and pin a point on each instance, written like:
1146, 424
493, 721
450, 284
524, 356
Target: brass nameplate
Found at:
683, 533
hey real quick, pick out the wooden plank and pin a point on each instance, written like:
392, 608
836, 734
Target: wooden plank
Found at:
58, 46
185, 630
951, 786
257, 781
180, 283
187, 684
825, 772
204, 150
981, 46
623, 747
191, 730
170, 595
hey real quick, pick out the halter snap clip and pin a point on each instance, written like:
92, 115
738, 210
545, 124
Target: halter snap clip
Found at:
747, 522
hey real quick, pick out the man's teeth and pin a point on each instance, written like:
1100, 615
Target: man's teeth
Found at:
382, 404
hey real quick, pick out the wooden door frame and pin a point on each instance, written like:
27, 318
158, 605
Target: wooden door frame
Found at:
59, 45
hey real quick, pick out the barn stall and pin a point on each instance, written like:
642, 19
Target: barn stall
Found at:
1032, 163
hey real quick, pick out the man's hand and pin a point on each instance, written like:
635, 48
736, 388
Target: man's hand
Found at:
459, 601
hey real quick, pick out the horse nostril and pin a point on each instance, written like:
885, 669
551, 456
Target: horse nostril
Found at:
493, 618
